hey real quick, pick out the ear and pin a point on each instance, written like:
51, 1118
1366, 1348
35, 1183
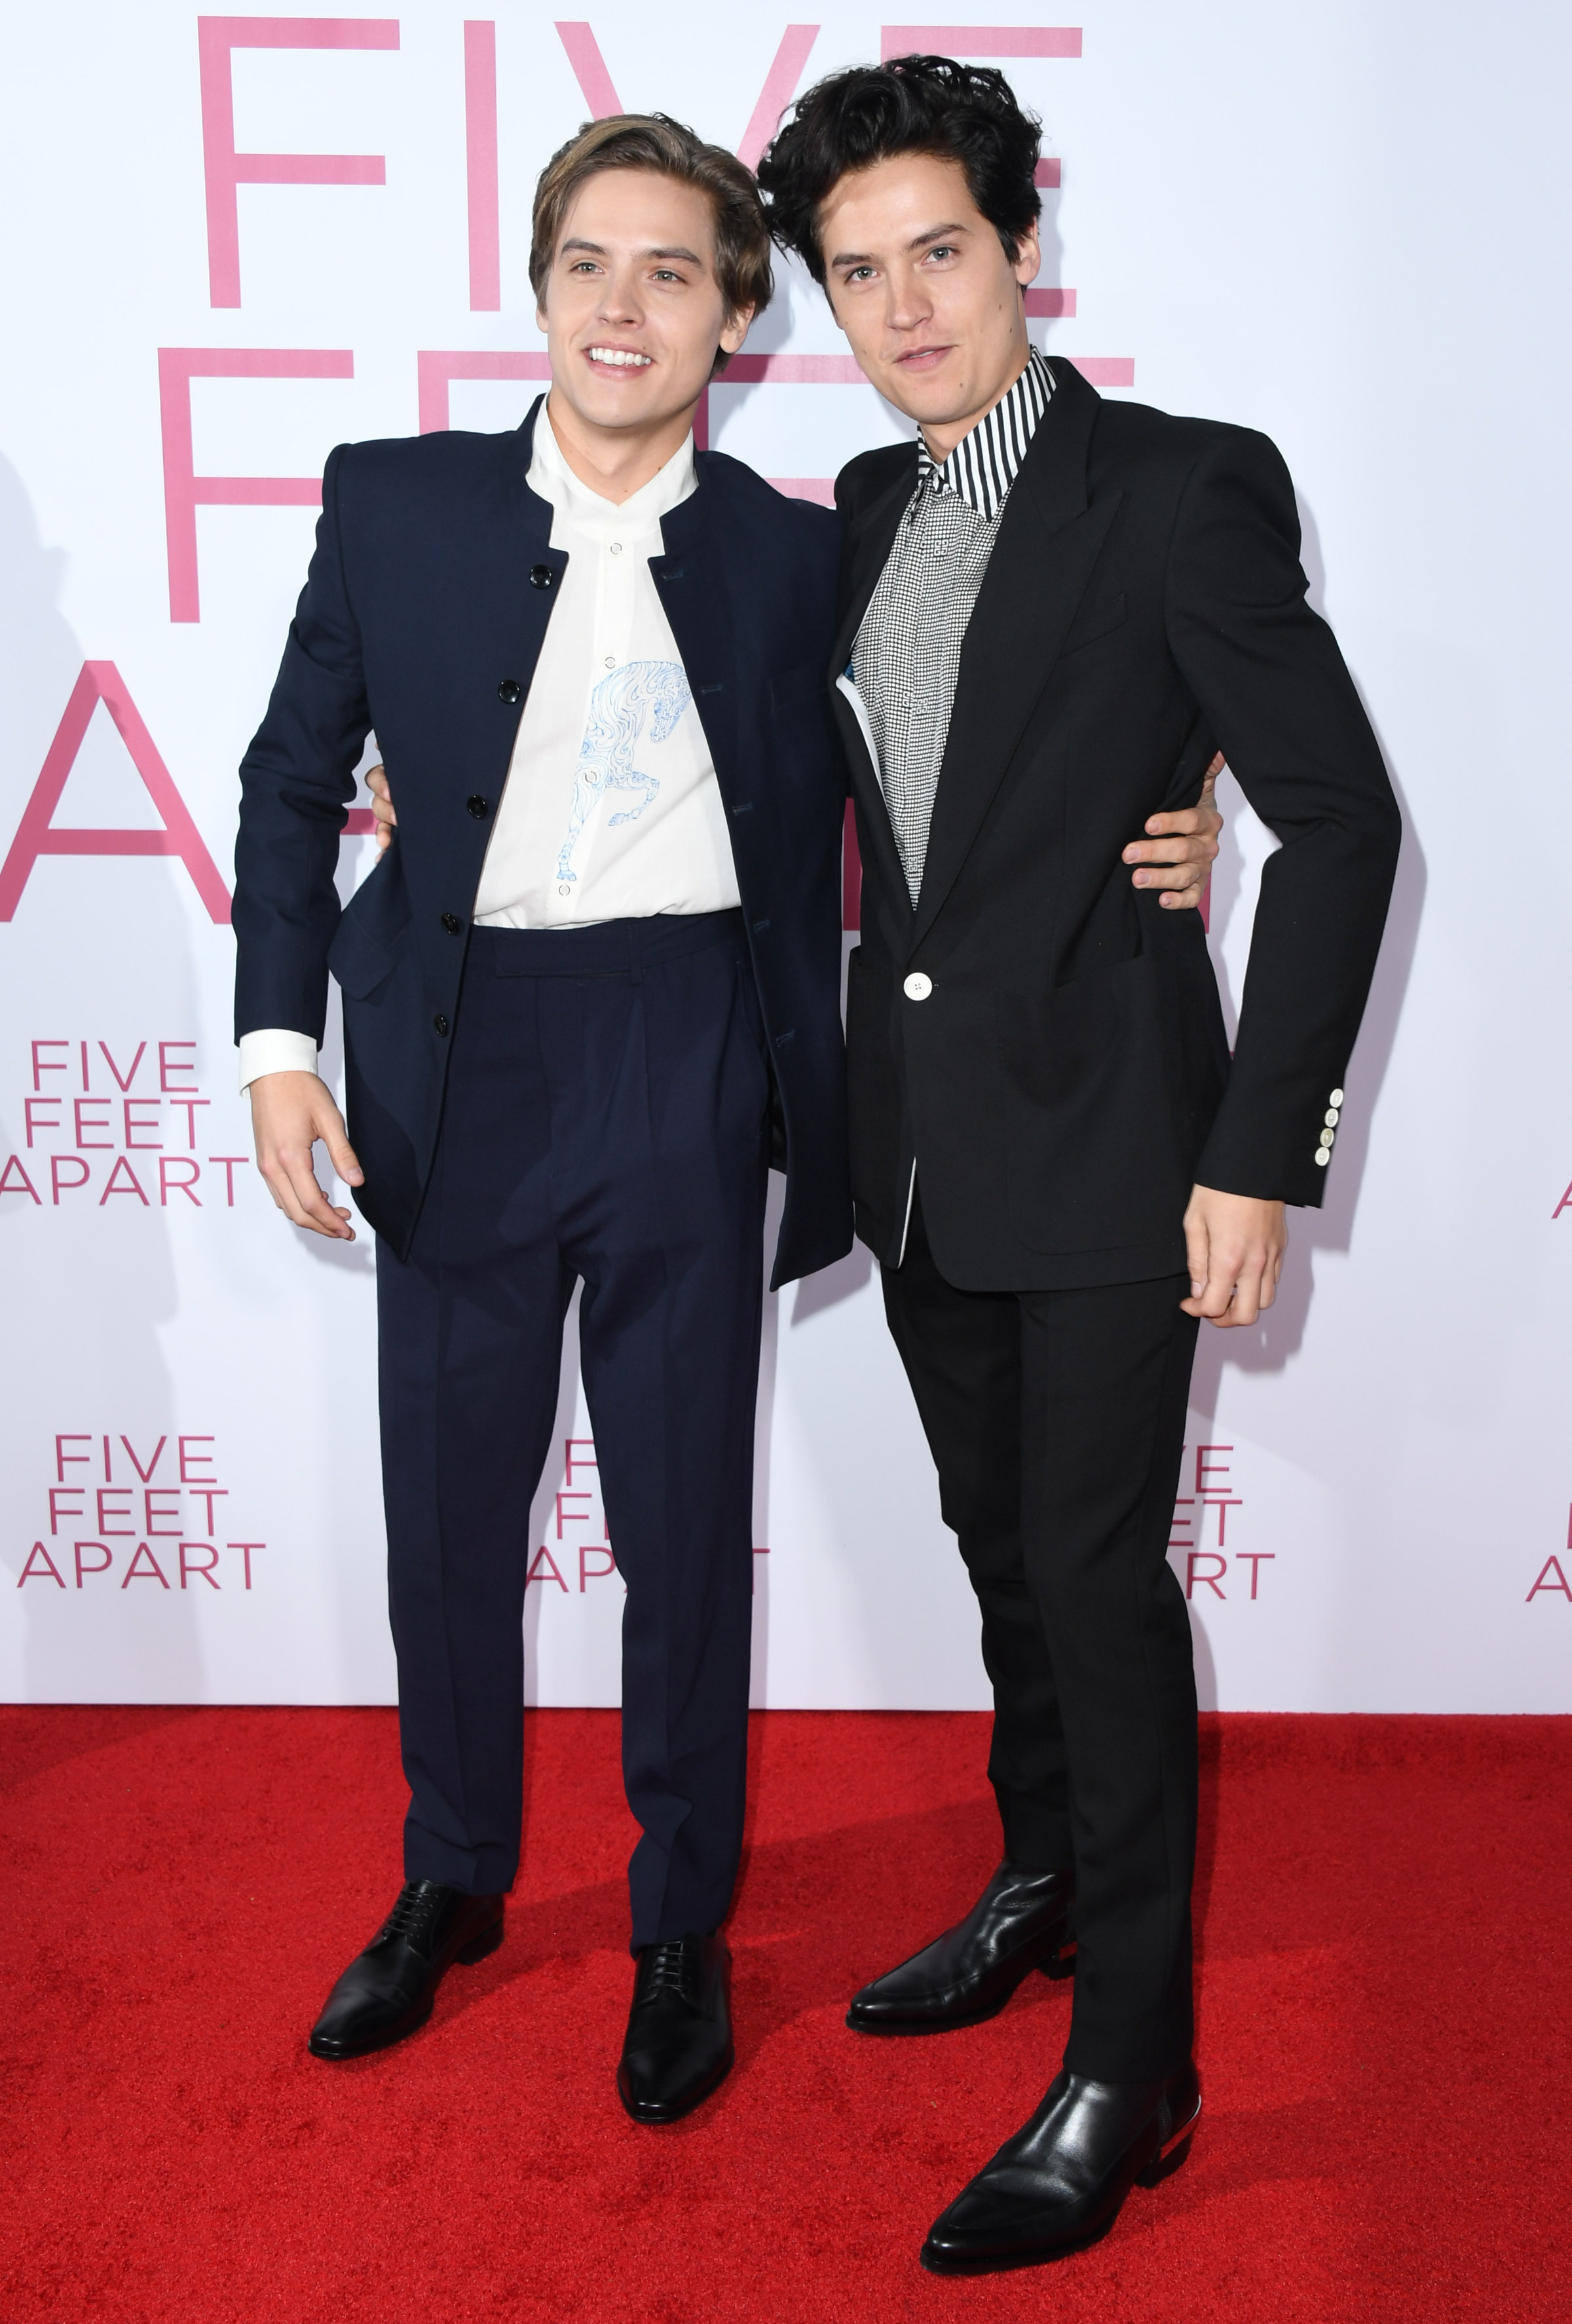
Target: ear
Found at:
1028, 255
540, 312
734, 329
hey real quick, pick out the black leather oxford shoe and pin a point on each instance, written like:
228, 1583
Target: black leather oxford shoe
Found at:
1058, 2184
677, 2047
1023, 1921
387, 1991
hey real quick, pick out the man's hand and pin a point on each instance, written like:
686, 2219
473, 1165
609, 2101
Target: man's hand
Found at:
1179, 854
1235, 1245
289, 1112
376, 782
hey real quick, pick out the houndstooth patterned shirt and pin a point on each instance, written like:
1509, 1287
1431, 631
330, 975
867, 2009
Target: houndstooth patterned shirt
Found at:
907, 654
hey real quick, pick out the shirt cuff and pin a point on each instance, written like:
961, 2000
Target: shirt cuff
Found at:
274, 1051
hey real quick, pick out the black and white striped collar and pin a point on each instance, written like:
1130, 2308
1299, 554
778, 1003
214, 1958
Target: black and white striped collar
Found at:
986, 462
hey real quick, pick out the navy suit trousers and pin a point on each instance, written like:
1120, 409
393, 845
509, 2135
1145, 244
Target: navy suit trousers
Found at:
606, 1119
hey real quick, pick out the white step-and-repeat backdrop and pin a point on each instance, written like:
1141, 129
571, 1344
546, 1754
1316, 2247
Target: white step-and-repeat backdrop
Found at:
231, 241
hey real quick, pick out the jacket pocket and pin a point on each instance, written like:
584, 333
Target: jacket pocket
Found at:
1093, 622
1105, 1109
373, 931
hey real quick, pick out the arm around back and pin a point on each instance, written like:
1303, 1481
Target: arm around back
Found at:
1267, 672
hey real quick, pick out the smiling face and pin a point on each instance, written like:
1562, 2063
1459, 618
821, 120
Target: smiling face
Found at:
631, 308
922, 287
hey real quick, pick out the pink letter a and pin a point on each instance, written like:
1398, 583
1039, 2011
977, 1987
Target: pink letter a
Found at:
100, 681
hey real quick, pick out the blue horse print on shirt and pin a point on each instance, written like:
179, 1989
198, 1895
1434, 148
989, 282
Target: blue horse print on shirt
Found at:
653, 691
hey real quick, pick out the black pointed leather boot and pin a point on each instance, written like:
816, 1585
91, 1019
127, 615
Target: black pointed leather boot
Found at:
1058, 2184
387, 1991
678, 2046
1024, 1920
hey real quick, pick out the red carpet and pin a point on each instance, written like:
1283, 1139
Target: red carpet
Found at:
1385, 2002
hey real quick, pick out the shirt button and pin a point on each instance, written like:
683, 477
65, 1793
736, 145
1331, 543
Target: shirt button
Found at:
564, 888
478, 806
508, 690
1322, 1156
453, 924
541, 577
1336, 1098
1331, 1117
441, 1025
610, 661
917, 986
615, 547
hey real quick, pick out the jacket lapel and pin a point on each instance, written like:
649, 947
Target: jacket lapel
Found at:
870, 538
522, 546
693, 589
1043, 559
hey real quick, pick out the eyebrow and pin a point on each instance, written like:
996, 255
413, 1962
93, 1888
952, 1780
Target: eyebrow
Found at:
598, 250
929, 234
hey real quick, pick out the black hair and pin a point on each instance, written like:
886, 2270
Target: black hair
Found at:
912, 104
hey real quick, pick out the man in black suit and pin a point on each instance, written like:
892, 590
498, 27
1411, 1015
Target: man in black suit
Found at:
1052, 610
594, 979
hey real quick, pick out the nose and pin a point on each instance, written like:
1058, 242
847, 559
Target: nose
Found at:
619, 300
908, 304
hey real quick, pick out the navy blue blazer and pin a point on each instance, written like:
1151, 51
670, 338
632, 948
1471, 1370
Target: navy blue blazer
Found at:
423, 615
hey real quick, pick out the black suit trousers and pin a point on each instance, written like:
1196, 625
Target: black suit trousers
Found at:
606, 1120
1056, 1420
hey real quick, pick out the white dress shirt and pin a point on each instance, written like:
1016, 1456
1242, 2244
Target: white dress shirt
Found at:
610, 809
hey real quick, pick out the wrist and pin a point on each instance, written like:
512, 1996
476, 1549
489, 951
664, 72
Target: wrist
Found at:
275, 1049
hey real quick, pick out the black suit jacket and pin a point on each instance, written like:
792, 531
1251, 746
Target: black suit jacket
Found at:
423, 614
1067, 1078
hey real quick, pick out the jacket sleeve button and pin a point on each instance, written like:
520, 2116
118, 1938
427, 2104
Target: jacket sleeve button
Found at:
509, 690
441, 1025
541, 577
453, 924
478, 806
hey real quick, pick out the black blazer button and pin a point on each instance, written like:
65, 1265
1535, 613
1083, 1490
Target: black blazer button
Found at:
541, 577
478, 806
453, 924
441, 1025
509, 690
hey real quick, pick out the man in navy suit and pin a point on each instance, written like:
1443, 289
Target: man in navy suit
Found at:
590, 994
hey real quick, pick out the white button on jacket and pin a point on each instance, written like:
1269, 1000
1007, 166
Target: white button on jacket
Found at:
917, 986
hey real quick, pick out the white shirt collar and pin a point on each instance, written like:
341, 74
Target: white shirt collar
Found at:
589, 510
